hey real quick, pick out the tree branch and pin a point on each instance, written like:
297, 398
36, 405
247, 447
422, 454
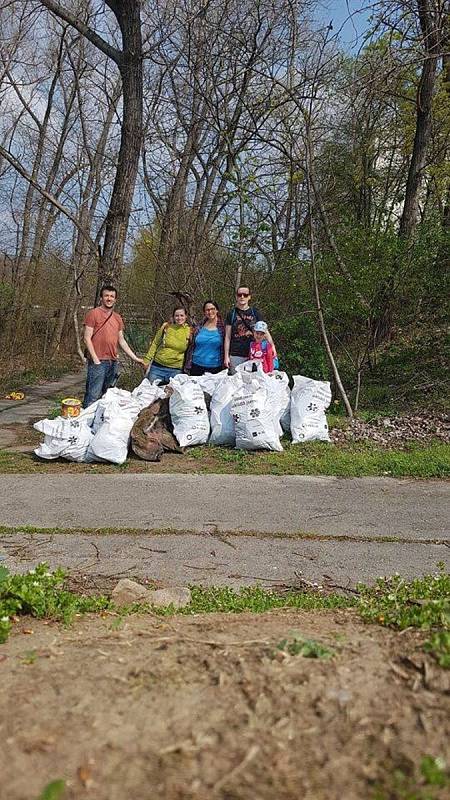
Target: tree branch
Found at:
48, 196
98, 41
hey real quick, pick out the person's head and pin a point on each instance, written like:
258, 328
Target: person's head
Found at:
260, 330
242, 297
108, 295
179, 315
210, 310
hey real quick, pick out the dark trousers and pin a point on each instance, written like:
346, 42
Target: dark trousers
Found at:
196, 369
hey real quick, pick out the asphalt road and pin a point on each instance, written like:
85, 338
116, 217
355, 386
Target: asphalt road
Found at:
212, 559
346, 522
357, 507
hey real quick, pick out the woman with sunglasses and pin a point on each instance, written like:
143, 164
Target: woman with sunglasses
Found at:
205, 352
239, 324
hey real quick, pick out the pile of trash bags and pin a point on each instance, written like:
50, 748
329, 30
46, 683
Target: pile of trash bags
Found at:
249, 410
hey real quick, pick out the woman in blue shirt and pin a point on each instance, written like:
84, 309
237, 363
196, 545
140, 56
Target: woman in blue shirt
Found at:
206, 351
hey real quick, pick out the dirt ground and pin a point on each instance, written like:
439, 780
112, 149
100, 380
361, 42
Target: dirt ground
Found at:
193, 708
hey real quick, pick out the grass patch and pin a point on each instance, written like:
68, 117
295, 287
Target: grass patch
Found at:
439, 646
308, 648
53, 791
40, 593
424, 783
257, 600
356, 459
321, 458
422, 603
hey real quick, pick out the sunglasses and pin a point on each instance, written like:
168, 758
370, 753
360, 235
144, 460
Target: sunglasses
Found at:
243, 294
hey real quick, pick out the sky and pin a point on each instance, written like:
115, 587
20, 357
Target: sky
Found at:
350, 19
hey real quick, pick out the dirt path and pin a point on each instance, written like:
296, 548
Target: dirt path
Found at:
36, 404
207, 707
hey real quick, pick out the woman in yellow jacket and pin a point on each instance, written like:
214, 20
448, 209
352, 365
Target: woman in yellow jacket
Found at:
165, 356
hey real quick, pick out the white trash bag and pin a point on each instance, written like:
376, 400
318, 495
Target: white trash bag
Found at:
209, 381
117, 398
309, 400
116, 414
87, 415
254, 422
112, 438
188, 411
146, 393
64, 437
277, 383
222, 423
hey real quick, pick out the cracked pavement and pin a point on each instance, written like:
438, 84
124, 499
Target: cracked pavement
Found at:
227, 529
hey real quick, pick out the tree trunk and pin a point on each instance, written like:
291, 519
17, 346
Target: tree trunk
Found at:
131, 71
431, 39
312, 247
129, 63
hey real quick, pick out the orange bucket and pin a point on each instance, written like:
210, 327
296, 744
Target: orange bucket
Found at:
70, 407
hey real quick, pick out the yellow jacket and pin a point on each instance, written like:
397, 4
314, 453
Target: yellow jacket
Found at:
169, 345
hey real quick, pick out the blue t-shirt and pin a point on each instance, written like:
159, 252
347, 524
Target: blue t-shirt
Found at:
208, 348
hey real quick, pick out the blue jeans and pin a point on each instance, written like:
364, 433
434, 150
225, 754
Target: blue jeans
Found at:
100, 377
158, 372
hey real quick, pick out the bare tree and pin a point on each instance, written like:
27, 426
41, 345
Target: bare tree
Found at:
431, 15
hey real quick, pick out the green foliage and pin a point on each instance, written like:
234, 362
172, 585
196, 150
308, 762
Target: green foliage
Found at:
299, 347
356, 459
434, 772
308, 648
258, 600
286, 300
138, 337
421, 603
398, 603
411, 371
140, 275
321, 458
131, 375
418, 784
40, 593
439, 646
53, 791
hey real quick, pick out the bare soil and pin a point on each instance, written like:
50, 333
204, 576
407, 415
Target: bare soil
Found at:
190, 708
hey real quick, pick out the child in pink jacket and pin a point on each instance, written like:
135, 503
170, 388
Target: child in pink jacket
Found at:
261, 349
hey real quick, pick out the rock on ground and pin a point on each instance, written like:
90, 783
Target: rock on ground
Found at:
127, 592
177, 596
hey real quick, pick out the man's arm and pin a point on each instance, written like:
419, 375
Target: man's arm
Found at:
89, 344
127, 349
226, 346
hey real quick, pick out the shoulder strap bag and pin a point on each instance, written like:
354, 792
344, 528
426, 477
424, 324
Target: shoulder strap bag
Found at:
86, 352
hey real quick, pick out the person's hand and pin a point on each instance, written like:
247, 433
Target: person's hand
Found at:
226, 362
96, 362
141, 362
